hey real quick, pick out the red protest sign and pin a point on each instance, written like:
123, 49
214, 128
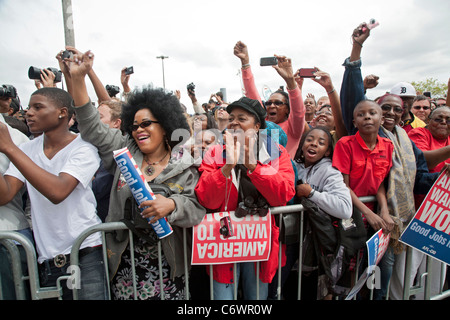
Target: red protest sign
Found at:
250, 242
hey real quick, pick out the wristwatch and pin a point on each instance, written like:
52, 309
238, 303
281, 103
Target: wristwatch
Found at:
311, 193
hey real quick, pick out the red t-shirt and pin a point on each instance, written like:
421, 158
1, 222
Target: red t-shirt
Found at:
425, 141
366, 168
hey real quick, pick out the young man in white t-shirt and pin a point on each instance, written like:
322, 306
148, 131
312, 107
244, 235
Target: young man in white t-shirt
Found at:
57, 167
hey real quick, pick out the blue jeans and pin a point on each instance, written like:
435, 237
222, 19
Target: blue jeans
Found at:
386, 265
225, 291
93, 284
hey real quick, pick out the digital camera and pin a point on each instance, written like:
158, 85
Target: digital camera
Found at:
252, 207
129, 70
35, 73
226, 228
8, 91
112, 90
190, 86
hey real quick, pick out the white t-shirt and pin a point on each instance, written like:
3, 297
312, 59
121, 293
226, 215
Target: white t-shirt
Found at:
12, 215
56, 226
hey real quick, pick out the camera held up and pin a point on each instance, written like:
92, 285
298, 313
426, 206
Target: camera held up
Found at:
8, 91
112, 90
35, 73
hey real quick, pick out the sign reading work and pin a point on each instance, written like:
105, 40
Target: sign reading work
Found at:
429, 230
250, 241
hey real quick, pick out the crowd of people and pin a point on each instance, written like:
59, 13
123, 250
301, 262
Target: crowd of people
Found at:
59, 176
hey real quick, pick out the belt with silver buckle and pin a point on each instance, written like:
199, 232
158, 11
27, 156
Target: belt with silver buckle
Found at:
61, 260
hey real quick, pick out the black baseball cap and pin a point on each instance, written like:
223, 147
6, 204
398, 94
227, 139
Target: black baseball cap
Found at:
252, 106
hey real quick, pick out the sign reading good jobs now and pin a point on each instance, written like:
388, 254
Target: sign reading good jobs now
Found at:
251, 240
429, 230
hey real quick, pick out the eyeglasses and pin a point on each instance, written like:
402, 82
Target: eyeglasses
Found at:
276, 102
441, 120
420, 107
200, 118
143, 124
388, 107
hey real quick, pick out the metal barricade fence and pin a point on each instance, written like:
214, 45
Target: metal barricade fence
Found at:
38, 293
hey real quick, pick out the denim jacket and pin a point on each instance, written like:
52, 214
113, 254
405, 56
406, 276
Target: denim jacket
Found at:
352, 92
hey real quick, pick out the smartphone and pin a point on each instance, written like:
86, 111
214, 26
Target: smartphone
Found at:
307, 72
129, 70
268, 61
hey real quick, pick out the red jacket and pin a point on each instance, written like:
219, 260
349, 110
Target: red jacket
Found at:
274, 180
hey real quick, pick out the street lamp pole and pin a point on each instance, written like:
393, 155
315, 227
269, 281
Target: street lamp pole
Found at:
69, 33
162, 61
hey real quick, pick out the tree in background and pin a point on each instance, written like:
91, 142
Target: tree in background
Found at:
436, 88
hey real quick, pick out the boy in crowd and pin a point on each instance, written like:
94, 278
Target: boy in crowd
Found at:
365, 160
57, 168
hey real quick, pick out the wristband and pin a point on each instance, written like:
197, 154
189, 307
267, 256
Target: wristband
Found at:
245, 65
311, 193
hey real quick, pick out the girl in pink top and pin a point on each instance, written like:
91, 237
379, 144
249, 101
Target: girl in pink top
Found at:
286, 110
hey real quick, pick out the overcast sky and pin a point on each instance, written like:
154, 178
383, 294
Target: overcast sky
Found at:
198, 36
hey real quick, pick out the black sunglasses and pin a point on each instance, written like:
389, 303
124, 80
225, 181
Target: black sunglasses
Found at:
143, 124
276, 102
388, 107
420, 107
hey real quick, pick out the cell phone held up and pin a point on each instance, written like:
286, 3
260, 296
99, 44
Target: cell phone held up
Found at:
307, 72
129, 70
268, 61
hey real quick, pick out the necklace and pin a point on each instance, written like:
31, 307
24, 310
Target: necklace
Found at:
150, 170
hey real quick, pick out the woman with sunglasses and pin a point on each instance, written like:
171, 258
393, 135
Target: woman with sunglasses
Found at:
149, 119
285, 109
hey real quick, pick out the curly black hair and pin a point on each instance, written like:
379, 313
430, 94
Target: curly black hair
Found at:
163, 105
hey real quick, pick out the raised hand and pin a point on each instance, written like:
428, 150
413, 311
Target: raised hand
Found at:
284, 69
241, 51
361, 33
323, 79
81, 63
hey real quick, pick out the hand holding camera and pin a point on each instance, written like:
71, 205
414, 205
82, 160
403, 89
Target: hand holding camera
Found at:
362, 32
82, 63
284, 69
324, 79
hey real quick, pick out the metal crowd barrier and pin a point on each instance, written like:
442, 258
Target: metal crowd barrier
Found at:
38, 293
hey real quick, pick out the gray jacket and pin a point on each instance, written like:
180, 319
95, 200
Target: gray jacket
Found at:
331, 194
180, 176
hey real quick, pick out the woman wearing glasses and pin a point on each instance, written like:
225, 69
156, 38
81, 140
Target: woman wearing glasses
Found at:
434, 139
149, 119
285, 109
